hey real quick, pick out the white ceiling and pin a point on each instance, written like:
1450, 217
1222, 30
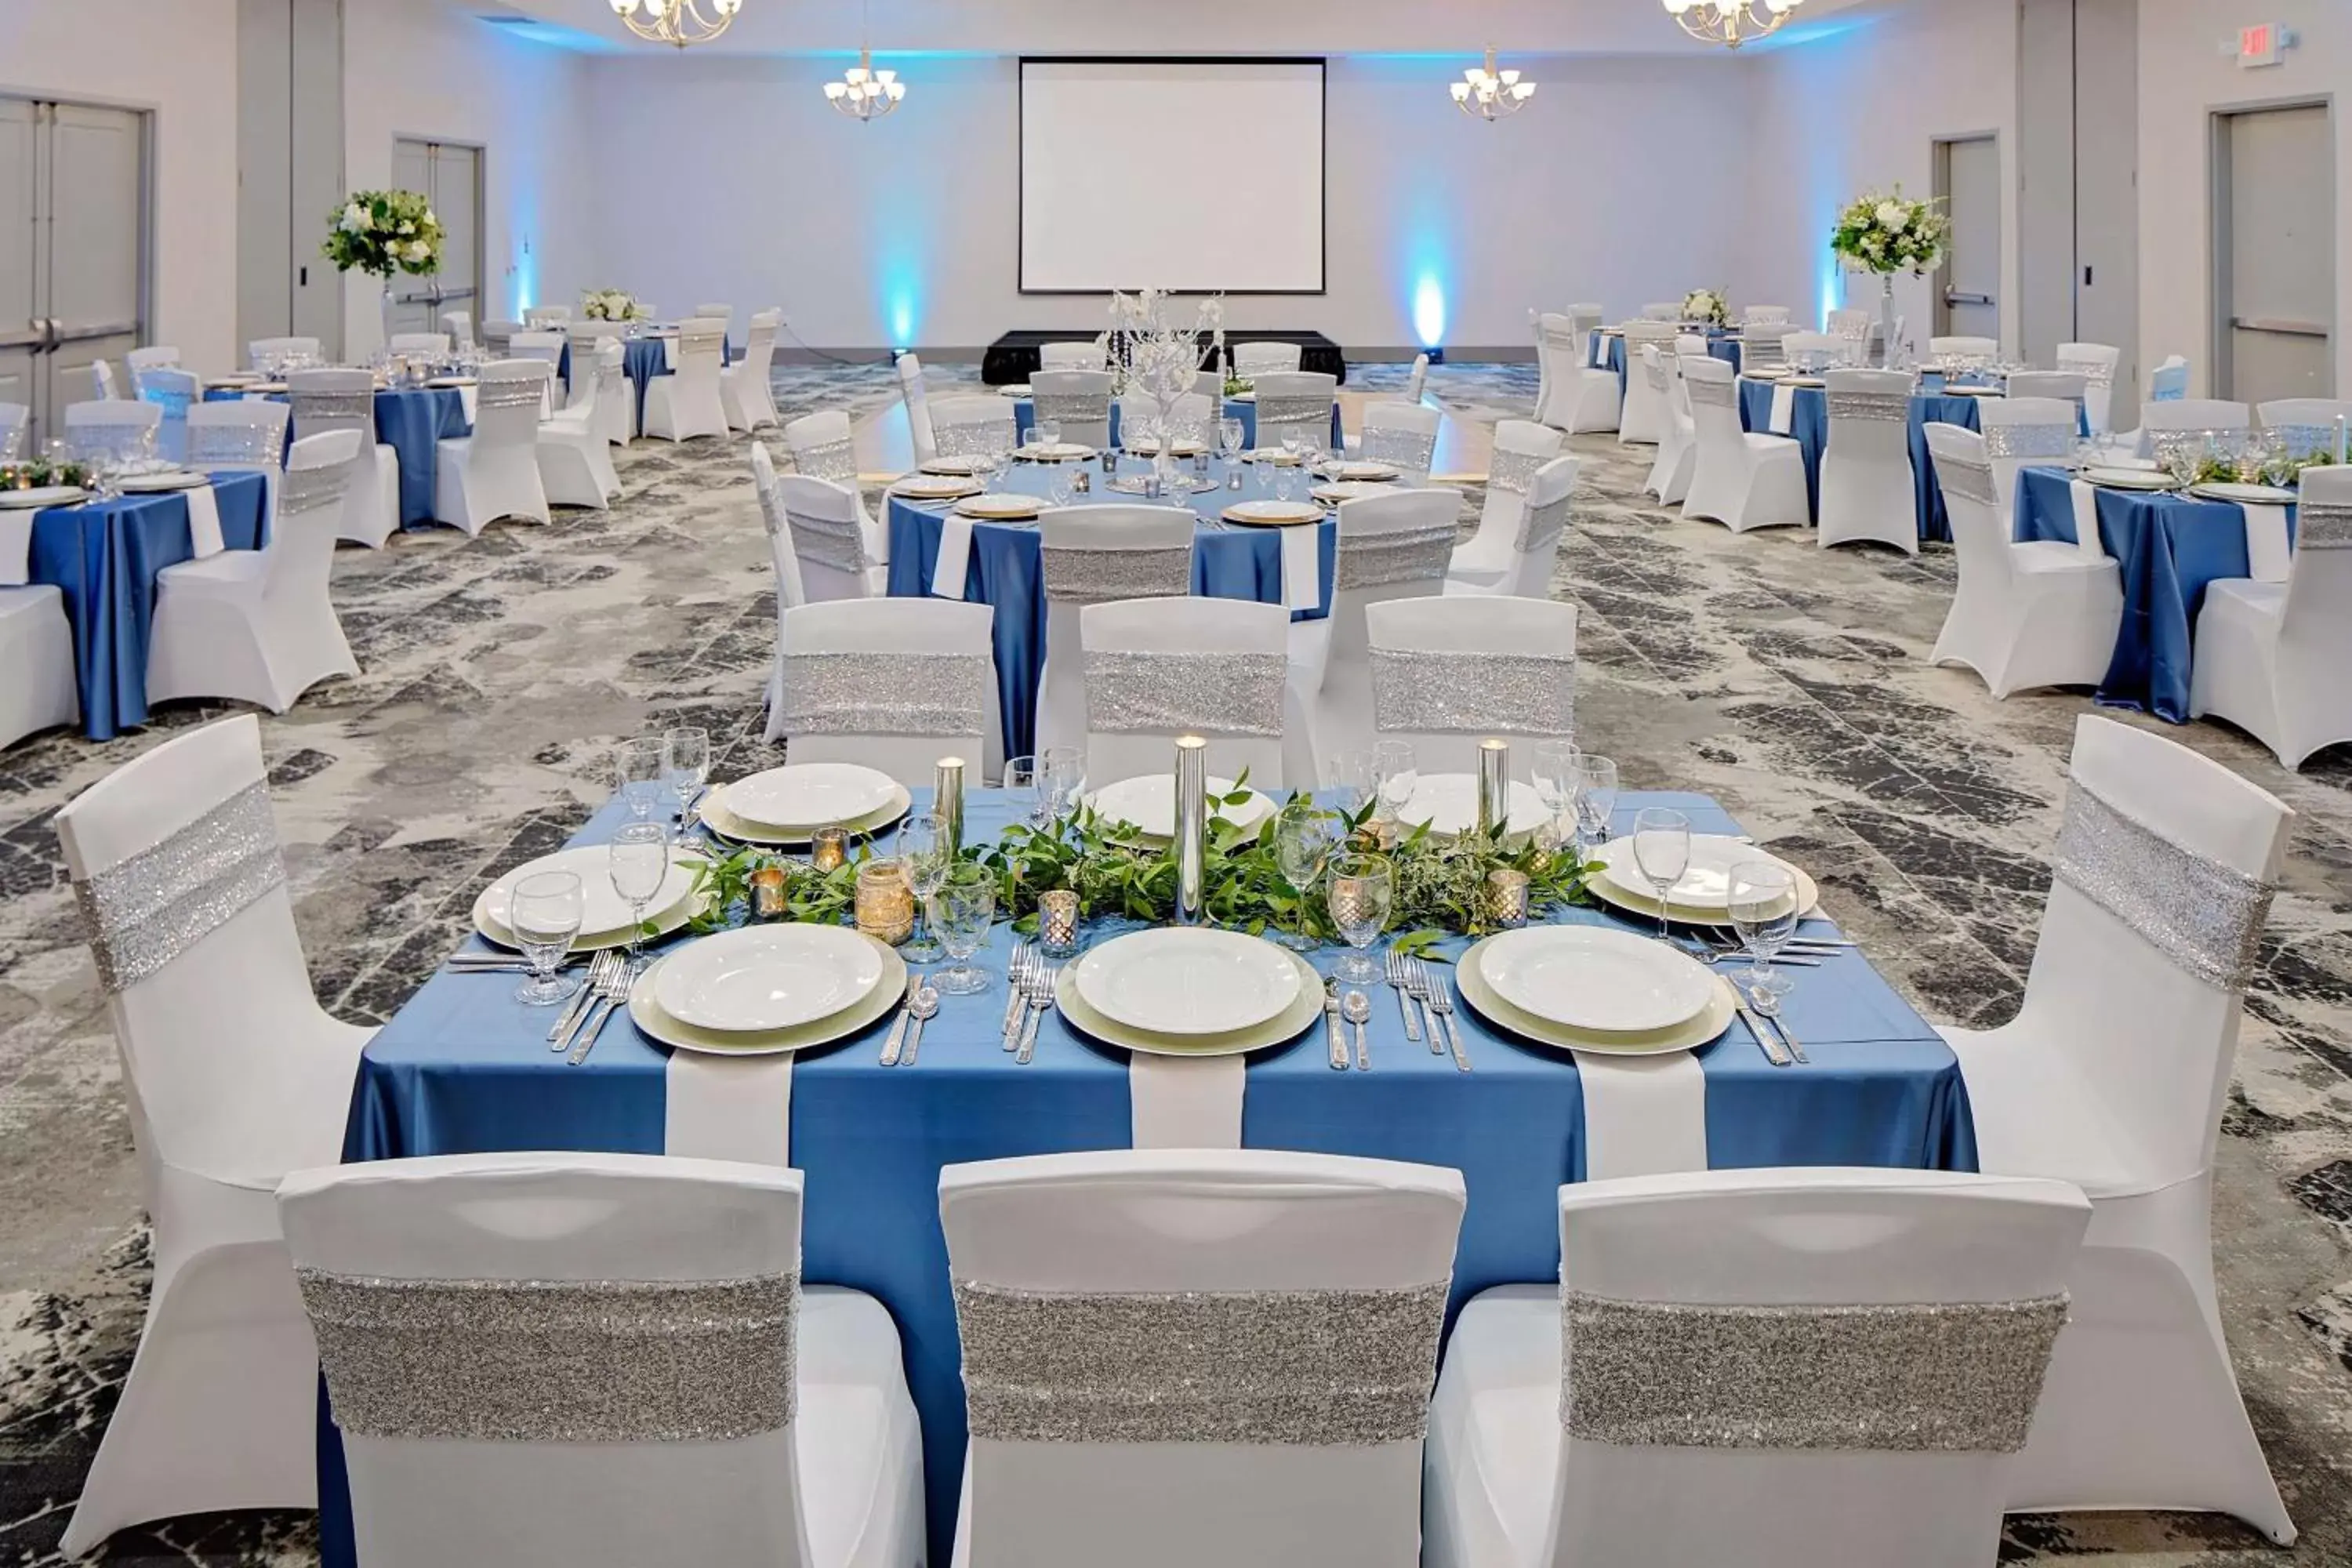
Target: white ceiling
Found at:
1175, 26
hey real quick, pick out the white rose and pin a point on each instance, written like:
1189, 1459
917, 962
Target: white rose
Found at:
429, 217
1894, 217
406, 227
355, 218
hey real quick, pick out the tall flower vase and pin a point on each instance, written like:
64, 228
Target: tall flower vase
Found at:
1889, 350
386, 306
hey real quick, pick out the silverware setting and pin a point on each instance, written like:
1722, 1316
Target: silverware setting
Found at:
896, 1044
1403, 989
1357, 1008
1440, 1003
927, 1003
559, 1034
1338, 1043
505, 963
1038, 982
1768, 1006
612, 993
1024, 954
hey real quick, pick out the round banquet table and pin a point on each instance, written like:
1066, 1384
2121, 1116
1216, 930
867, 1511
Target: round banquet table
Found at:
1006, 570
1809, 425
1720, 343
412, 421
1024, 414
643, 359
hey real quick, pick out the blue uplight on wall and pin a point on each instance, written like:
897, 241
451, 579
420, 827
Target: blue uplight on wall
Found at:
1429, 311
902, 320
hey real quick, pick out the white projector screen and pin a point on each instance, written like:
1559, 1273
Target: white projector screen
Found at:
1112, 192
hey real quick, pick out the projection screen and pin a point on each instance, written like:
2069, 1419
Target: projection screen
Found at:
1115, 189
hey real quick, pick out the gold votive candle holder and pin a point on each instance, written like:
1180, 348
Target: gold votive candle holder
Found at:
829, 849
1507, 897
768, 901
884, 903
1057, 923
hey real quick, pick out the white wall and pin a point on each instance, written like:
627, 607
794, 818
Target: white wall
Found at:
735, 181
179, 60
425, 68
1861, 109
2184, 78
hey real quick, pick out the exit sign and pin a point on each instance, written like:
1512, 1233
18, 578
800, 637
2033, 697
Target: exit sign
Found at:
2264, 43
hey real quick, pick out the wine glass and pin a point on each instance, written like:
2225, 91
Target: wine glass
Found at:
1061, 774
1554, 774
638, 860
1286, 480
966, 908
1661, 850
1024, 788
686, 766
1352, 776
1596, 800
543, 915
1362, 892
1231, 434
1061, 483
1397, 776
1304, 834
923, 850
639, 773
1044, 433
1764, 912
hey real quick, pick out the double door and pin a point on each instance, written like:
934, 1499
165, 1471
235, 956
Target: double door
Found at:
450, 177
73, 251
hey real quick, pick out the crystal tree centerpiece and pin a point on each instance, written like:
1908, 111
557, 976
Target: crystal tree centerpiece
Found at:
1154, 353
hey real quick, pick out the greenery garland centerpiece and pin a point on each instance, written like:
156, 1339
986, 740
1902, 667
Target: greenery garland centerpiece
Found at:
381, 233
40, 473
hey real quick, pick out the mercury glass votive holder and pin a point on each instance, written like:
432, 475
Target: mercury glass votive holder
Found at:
1507, 897
769, 893
829, 849
1058, 923
884, 903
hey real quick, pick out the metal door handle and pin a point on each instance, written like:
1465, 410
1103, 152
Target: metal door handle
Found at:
1954, 297
2274, 324
98, 330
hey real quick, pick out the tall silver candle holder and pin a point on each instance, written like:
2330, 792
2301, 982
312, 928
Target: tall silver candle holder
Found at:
947, 799
1494, 787
1191, 830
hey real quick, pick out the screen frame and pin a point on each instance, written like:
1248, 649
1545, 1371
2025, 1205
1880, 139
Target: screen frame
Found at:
1322, 63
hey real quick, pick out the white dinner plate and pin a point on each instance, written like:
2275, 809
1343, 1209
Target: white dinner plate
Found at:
963, 467
450, 383
2245, 495
1288, 1025
45, 495
2127, 478
1365, 472
1056, 452
646, 1012
809, 794
1336, 495
1610, 891
1449, 804
1149, 446
1148, 804
932, 487
1708, 1025
1001, 508
716, 817
603, 913
766, 977
1182, 983
156, 484
1592, 978
1273, 513
1705, 883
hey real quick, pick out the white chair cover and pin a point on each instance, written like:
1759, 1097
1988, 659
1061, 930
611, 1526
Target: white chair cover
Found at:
967, 427
715, 312
823, 447
1297, 400
1763, 316
2309, 425
235, 1077
327, 400
2165, 420
918, 409
1521, 447
1866, 484
431, 345
1449, 673
36, 643
832, 538
1663, 310
1252, 360
1404, 434
1764, 344
1094, 555
2019, 430
2096, 363
118, 427
1742, 479
744, 388
1158, 668
15, 419
1643, 419
494, 473
158, 357
1417, 380
542, 317
575, 458
790, 594
1088, 355
1077, 401
175, 391
1963, 348
2271, 657
1815, 352
460, 327
1133, 1326
1670, 475
892, 684
262, 352
1392, 547
687, 402
1518, 559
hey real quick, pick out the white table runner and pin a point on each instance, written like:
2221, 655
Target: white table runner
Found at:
728, 1108
2084, 498
1643, 1116
1784, 408
2268, 554
1185, 1102
204, 521
1302, 567
16, 547
955, 556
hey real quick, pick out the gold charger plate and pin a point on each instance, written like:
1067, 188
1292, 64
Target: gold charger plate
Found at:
1294, 513
727, 825
1149, 446
1000, 507
1610, 891
932, 488
1285, 1027
961, 467
1721, 1008
668, 922
658, 1026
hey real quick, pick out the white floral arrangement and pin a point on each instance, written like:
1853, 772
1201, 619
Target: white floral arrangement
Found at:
610, 305
383, 232
1706, 305
1148, 351
1890, 234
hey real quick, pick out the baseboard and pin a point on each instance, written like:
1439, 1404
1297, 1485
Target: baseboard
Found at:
1473, 353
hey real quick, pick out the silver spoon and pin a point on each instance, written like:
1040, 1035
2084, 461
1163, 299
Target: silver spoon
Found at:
1357, 1010
925, 1003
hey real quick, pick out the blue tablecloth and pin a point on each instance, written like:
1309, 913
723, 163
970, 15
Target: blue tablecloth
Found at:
1809, 427
105, 557
411, 421
1024, 414
462, 1068
1006, 570
1719, 345
2168, 548
643, 360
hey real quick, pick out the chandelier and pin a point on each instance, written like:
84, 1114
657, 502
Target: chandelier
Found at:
1492, 95
864, 93
679, 22
1731, 23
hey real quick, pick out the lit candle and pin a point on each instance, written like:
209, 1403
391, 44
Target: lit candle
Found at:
767, 893
1057, 923
1507, 897
829, 849
884, 903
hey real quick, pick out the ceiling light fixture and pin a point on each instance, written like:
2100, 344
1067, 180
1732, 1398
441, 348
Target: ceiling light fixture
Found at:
678, 22
1490, 95
1731, 23
864, 93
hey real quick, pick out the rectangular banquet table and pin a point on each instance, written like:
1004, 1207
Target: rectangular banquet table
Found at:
1024, 414
1808, 427
643, 359
1720, 345
105, 557
412, 421
463, 1069
1006, 571
2169, 549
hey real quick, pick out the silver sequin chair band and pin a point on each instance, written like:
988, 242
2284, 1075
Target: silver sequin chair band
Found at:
1402, 555
1539, 525
2323, 525
1076, 576
1967, 479
1512, 471
315, 412
967, 440
1405, 448
2203, 915
556, 1361
1324, 1368
1308, 416
1962, 1377
835, 460
2094, 372
1132, 692
145, 911
1719, 394
2305, 440
2029, 440
1444, 692
256, 443
505, 393
1886, 407
836, 542
1073, 407
885, 694
310, 489
1655, 371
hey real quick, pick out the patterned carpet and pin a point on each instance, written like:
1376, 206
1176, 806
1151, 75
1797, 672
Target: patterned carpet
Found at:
1788, 681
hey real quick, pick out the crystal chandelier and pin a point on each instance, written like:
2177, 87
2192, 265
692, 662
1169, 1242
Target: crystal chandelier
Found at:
1731, 23
863, 92
679, 22
1491, 95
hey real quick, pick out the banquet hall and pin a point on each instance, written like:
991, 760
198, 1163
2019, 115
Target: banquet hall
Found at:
1025, 783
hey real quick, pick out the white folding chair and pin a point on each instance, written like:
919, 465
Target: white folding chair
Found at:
328, 400
1416, 381
2309, 425
1763, 316
743, 386
687, 402
2037, 614
1158, 668
234, 1075
1867, 492
832, 538
918, 409
969, 425
494, 473
1670, 474
891, 684
270, 353
790, 594
1643, 419
1767, 1367
1449, 673
1088, 355
2096, 363
434, 346
1963, 348
2019, 430
1294, 401
1094, 555
1404, 434
2114, 1076
1519, 562
36, 645
117, 427
2271, 657
1393, 546
1077, 401
1253, 360
575, 459
259, 626
1196, 1356
635, 1358
159, 357
175, 391
2189, 418
1743, 480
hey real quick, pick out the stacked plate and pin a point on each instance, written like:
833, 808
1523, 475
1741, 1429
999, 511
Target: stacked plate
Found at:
605, 918
1187, 993
2128, 478
935, 486
156, 483
1362, 472
1148, 805
1449, 804
963, 467
1273, 513
43, 495
788, 804
1588, 988
1001, 508
768, 989
2245, 495
1056, 452
1703, 896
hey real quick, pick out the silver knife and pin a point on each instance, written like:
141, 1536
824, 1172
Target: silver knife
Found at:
1331, 1026
1772, 1048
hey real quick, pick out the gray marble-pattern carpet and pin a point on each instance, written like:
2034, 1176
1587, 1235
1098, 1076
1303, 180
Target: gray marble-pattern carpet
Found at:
1789, 681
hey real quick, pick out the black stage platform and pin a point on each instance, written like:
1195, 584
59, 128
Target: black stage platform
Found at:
1013, 357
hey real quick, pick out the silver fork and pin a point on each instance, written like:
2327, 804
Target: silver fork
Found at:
1040, 987
559, 1034
1402, 986
1442, 1006
1016, 978
613, 992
